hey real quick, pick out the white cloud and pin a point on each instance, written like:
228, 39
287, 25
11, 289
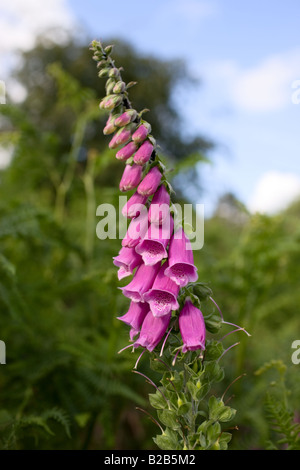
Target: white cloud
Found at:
268, 86
21, 21
274, 192
265, 87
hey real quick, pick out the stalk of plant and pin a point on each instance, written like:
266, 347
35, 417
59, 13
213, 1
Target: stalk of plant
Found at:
171, 315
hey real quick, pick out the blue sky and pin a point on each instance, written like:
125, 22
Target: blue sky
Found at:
248, 57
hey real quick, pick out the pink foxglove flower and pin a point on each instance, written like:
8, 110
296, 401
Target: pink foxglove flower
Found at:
181, 260
144, 153
127, 260
136, 230
131, 177
134, 206
135, 317
162, 297
159, 208
153, 246
127, 151
141, 133
150, 183
152, 331
141, 282
192, 327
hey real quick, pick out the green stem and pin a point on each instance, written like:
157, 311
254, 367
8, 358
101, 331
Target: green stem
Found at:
68, 176
88, 181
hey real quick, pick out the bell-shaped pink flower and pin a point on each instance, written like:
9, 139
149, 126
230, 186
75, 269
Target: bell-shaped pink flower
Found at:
126, 152
134, 206
159, 209
162, 297
136, 230
192, 327
131, 177
135, 316
153, 246
144, 153
141, 282
152, 331
141, 133
150, 183
127, 260
181, 267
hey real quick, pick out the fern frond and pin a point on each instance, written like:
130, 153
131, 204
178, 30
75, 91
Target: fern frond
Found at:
282, 423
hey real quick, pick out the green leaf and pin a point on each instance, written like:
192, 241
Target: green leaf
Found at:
213, 432
167, 441
218, 411
193, 389
213, 323
184, 409
157, 401
169, 419
225, 438
213, 350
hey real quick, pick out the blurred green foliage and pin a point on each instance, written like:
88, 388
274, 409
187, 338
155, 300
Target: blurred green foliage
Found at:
64, 385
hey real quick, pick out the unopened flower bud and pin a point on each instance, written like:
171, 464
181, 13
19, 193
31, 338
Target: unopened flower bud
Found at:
141, 133
108, 49
110, 126
110, 102
110, 86
122, 136
114, 72
144, 153
101, 63
125, 118
103, 72
131, 177
119, 87
127, 151
150, 183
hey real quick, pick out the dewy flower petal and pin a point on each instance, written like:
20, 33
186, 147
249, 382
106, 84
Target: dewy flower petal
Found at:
153, 246
181, 260
192, 327
127, 260
131, 177
142, 281
144, 153
162, 297
152, 331
134, 206
150, 183
135, 316
159, 208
